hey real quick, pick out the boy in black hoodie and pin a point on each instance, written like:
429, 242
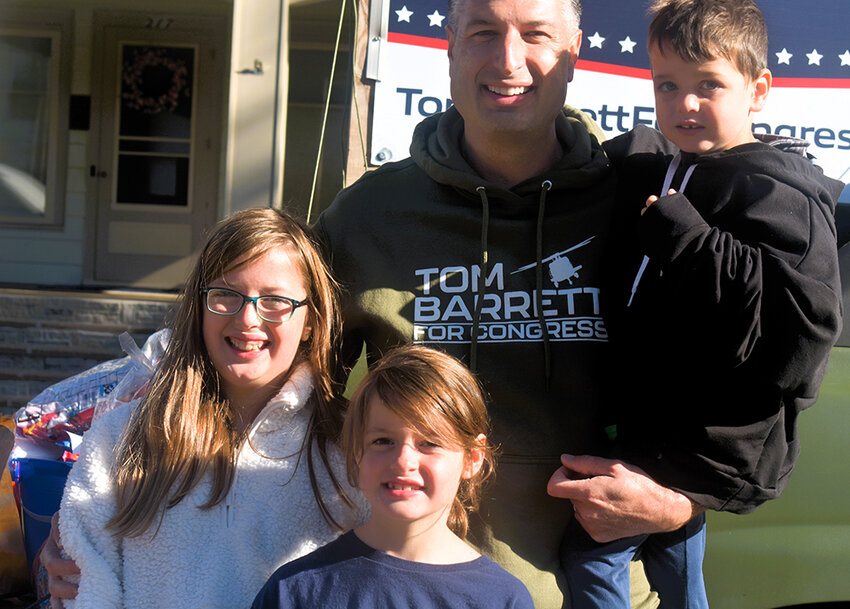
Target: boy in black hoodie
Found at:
727, 296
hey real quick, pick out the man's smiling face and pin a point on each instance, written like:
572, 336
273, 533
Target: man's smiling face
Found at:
510, 62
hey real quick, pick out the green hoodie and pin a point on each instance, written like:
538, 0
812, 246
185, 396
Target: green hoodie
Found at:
418, 242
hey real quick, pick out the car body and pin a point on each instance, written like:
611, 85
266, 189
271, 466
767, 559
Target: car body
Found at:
795, 551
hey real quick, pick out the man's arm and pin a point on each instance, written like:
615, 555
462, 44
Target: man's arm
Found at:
57, 567
351, 341
613, 500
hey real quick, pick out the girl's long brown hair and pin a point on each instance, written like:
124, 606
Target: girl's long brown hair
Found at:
185, 427
428, 390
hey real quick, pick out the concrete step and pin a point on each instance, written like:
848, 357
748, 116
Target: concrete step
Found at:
70, 342
84, 310
49, 335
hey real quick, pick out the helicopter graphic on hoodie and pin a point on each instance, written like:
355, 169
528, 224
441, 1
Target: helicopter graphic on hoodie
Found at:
560, 266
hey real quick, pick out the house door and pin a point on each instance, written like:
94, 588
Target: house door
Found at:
157, 132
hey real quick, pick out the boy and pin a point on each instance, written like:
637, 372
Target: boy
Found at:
726, 296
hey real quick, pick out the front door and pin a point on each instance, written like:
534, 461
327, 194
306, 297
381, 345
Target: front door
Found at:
157, 132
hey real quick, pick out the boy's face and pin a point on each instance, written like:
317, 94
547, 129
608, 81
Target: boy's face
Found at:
704, 107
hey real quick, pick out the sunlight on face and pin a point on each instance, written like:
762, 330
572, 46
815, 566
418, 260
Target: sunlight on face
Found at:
409, 477
510, 62
253, 356
704, 107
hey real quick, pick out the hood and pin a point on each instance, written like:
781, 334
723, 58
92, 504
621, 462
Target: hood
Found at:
796, 168
436, 149
800, 147
293, 397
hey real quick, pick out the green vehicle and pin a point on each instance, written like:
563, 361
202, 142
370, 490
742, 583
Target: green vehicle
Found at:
795, 551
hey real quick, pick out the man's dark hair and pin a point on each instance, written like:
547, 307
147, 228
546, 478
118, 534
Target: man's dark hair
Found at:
573, 5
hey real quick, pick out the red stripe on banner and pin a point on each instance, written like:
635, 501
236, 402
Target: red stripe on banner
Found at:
610, 68
813, 83
801, 83
419, 41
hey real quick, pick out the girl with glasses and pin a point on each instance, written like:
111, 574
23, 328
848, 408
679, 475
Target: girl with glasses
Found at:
229, 467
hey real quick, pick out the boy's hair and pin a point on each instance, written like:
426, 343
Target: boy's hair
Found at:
572, 12
702, 30
185, 426
431, 391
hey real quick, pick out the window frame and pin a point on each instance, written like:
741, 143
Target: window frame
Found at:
58, 26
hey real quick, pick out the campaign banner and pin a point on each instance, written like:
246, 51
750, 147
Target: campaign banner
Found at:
414, 75
809, 56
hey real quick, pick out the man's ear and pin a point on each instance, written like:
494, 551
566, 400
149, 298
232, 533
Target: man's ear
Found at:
573, 47
761, 87
474, 459
450, 36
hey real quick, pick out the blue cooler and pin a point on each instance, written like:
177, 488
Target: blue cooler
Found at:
40, 483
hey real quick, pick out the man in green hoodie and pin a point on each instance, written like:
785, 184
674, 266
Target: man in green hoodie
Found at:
487, 243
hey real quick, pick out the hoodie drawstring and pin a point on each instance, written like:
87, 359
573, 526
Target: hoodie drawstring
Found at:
482, 279
668, 182
545, 187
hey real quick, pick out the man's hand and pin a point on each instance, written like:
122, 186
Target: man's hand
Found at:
613, 499
57, 567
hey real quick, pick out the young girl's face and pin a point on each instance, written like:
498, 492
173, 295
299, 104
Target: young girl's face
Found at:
253, 356
408, 476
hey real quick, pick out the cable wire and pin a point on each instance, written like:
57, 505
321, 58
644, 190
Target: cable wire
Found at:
325, 113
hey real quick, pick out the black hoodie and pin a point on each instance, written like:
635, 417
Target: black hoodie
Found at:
406, 242
728, 335
410, 243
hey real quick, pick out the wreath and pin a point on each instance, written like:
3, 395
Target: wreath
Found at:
153, 81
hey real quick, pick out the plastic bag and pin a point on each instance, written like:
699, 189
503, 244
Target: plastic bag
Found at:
136, 381
60, 414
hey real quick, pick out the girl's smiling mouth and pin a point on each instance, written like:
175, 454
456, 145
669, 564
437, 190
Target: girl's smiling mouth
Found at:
246, 345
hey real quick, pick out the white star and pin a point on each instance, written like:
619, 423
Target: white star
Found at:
814, 57
845, 58
436, 19
784, 56
627, 45
596, 41
403, 14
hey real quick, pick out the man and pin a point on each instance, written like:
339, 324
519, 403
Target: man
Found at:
487, 243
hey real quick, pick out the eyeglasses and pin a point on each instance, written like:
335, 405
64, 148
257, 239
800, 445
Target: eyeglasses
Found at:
274, 309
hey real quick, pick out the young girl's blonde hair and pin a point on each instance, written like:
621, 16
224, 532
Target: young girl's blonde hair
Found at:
432, 392
185, 427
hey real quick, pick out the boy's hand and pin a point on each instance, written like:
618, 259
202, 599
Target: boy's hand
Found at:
652, 199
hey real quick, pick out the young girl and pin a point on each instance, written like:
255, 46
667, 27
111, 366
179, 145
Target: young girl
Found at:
415, 444
226, 469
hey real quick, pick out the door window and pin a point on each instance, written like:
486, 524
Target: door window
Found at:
155, 125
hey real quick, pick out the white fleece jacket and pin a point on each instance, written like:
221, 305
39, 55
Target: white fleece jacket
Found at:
218, 557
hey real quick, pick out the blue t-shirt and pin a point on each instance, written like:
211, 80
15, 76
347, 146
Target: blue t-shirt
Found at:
348, 574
